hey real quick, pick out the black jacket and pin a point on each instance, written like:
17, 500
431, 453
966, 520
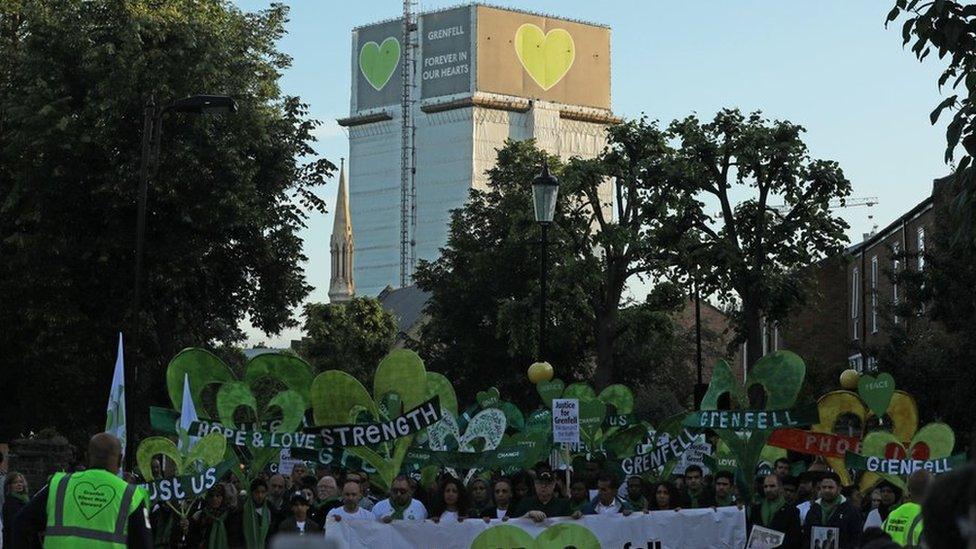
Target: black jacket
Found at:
290, 526
492, 512
785, 520
11, 506
705, 499
845, 516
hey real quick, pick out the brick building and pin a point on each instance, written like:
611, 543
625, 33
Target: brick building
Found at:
844, 320
817, 331
870, 291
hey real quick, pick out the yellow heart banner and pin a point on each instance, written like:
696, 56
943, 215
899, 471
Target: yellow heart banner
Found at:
547, 57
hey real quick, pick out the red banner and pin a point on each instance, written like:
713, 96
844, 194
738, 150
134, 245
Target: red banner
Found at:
817, 444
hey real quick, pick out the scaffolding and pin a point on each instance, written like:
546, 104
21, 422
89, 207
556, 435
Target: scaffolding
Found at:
408, 166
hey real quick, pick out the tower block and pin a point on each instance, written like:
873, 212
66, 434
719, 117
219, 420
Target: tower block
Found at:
482, 75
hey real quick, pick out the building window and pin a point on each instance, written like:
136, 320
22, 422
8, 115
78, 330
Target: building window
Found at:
855, 362
920, 247
872, 365
874, 295
855, 300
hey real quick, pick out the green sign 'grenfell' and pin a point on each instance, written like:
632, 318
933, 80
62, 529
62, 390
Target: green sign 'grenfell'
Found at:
902, 467
660, 455
753, 420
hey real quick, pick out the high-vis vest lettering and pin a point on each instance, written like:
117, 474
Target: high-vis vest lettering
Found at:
904, 524
89, 509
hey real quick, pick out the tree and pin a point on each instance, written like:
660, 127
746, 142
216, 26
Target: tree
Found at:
950, 28
752, 254
484, 288
491, 265
224, 210
352, 337
638, 232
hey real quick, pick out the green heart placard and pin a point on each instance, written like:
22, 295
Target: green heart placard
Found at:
379, 61
876, 392
547, 57
780, 375
549, 390
933, 441
592, 411
563, 534
488, 398
92, 499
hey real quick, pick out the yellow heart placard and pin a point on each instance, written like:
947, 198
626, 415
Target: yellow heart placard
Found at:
547, 57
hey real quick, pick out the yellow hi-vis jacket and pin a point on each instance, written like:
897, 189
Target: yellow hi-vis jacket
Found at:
90, 509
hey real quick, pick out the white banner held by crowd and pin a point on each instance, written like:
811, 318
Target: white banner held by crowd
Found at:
687, 529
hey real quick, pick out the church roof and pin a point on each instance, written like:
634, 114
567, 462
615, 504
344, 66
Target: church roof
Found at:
406, 304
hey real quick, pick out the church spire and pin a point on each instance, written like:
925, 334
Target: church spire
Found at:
342, 287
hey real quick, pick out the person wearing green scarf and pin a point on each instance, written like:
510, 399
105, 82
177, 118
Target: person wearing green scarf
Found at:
723, 489
16, 499
833, 510
208, 528
400, 505
578, 495
252, 524
326, 498
697, 495
636, 489
478, 494
773, 513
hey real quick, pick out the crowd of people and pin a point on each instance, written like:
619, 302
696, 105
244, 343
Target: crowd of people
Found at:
811, 510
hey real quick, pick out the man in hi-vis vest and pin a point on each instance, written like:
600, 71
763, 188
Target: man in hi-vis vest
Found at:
91, 509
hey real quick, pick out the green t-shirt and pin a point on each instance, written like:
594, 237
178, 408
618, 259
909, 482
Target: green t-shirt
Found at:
557, 507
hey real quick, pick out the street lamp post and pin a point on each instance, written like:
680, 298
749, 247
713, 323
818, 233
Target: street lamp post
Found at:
151, 137
545, 189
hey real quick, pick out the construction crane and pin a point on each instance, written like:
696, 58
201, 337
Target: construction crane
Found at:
868, 201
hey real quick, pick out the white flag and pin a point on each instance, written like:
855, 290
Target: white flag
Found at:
188, 414
115, 420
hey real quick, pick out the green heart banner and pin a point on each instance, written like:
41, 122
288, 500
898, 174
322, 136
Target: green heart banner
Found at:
660, 455
591, 414
902, 467
187, 486
549, 390
498, 458
753, 420
379, 61
721, 462
620, 420
359, 434
876, 392
488, 398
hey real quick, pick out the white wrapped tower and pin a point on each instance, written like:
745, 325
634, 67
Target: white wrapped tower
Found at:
482, 75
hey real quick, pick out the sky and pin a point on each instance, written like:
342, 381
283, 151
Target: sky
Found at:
830, 66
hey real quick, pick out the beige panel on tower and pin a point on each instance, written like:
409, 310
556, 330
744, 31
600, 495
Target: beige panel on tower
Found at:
540, 57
